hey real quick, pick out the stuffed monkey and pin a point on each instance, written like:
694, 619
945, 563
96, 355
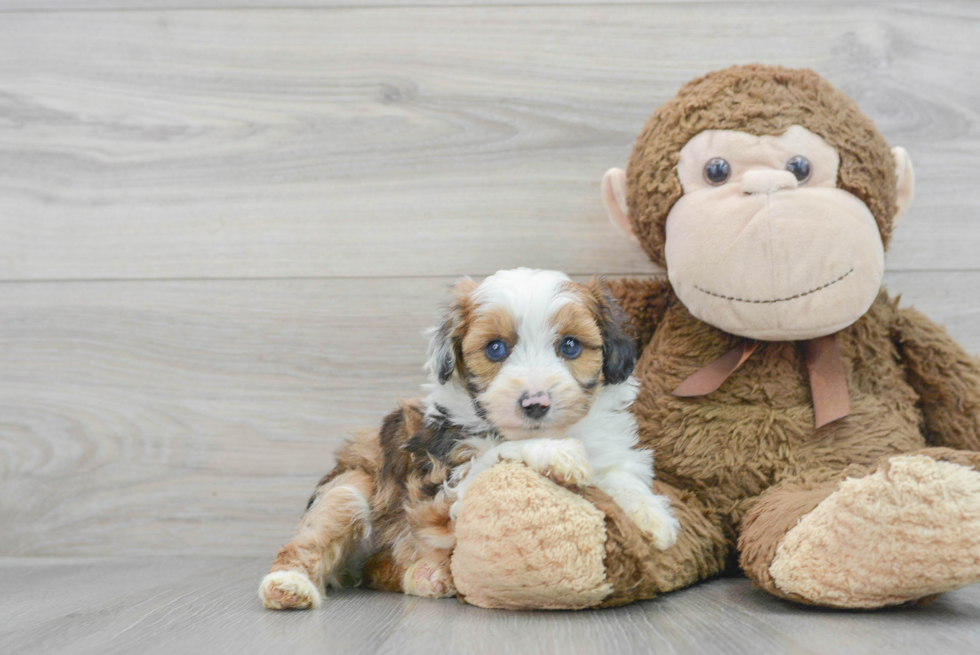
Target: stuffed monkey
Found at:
808, 430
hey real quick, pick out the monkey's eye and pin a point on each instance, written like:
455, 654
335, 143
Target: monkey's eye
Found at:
717, 171
800, 168
570, 348
496, 350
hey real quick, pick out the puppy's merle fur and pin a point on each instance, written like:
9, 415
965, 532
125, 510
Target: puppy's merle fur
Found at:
526, 366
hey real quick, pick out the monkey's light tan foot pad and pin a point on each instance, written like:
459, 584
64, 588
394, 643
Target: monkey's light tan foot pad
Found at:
545, 550
908, 530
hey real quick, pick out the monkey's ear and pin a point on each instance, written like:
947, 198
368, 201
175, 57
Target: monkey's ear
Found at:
618, 346
614, 198
905, 187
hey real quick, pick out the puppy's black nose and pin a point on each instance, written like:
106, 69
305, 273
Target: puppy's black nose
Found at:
535, 411
537, 405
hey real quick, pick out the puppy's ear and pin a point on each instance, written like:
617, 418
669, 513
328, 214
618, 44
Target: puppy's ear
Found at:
444, 340
618, 346
442, 355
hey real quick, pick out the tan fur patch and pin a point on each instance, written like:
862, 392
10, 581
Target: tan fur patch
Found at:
382, 572
485, 326
575, 320
463, 304
335, 521
431, 523
463, 290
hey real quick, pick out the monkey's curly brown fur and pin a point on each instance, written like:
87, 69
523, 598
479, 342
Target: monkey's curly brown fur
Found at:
759, 100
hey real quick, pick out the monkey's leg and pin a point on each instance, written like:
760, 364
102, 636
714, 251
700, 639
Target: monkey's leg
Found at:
338, 518
638, 569
905, 529
524, 542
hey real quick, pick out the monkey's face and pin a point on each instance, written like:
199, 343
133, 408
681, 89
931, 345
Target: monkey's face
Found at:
763, 244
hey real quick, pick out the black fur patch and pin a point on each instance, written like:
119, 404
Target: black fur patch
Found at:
618, 348
437, 438
474, 391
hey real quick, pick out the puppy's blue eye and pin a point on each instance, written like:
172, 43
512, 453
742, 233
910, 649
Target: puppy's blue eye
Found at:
496, 350
570, 348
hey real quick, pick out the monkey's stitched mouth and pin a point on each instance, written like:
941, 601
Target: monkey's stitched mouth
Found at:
769, 302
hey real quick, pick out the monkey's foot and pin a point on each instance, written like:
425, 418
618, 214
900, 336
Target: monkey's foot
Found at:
283, 590
910, 529
429, 580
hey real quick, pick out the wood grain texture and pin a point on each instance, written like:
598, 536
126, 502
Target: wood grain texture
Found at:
121, 606
195, 417
211, 5
422, 141
224, 225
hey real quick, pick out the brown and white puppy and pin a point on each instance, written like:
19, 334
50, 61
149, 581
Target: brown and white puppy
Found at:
527, 365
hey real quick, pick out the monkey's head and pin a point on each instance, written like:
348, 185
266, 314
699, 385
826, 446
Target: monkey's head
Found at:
770, 199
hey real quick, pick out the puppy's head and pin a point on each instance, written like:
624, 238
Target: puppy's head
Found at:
532, 349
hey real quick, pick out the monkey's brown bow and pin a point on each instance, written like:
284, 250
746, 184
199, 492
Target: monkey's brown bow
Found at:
828, 386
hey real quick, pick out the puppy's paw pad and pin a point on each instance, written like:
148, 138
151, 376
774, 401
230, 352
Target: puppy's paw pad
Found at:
429, 581
564, 461
282, 590
656, 521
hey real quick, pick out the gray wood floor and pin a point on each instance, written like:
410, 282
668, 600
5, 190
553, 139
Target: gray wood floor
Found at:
224, 225
102, 607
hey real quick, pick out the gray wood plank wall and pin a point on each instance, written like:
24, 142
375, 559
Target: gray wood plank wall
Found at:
222, 232
210, 5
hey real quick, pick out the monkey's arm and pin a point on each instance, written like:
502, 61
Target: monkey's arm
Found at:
945, 376
645, 300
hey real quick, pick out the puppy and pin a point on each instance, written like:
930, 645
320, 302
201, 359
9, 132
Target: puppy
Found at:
527, 366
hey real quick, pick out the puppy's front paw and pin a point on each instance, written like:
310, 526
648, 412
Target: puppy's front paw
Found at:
562, 460
283, 590
652, 515
429, 580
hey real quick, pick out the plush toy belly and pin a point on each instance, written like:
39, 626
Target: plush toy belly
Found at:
758, 427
